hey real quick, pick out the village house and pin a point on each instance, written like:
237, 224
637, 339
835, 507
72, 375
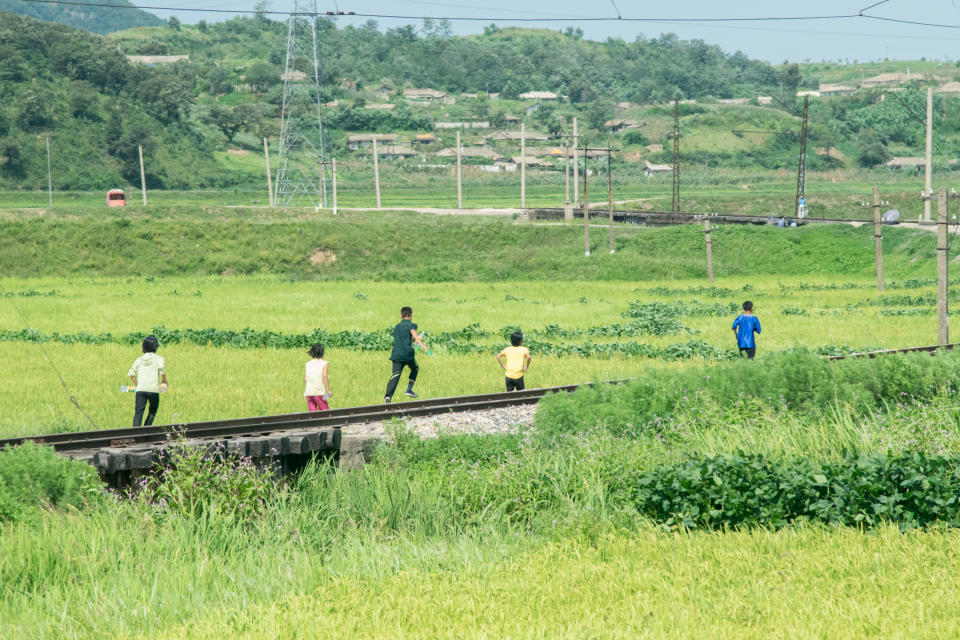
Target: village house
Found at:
348, 84
425, 138
889, 80
950, 87
538, 95
293, 76
530, 161
461, 125
836, 89
151, 61
358, 140
619, 124
469, 152
386, 106
423, 94
650, 169
529, 135
654, 148
395, 152
898, 163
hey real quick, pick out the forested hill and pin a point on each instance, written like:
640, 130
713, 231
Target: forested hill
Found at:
507, 61
77, 89
96, 19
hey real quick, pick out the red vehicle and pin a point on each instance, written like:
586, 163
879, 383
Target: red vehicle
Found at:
116, 198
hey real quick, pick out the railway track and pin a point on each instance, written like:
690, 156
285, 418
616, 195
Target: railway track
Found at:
262, 425
334, 418
931, 349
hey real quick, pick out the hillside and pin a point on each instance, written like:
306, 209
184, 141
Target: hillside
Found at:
96, 19
184, 242
201, 121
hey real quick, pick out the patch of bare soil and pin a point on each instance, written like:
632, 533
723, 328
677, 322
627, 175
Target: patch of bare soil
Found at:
322, 256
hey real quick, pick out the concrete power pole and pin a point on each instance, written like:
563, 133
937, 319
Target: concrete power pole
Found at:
49, 175
334, 174
586, 211
878, 237
143, 176
566, 172
459, 173
943, 317
576, 164
610, 198
523, 166
376, 170
706, 232
266, 154
928, 169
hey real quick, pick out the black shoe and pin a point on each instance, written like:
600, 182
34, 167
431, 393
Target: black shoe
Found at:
410, 394
386, 400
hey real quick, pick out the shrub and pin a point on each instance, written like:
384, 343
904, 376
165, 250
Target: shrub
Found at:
33, 477
740, 490
197, 482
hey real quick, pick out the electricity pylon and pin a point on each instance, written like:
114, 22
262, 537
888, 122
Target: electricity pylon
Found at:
301, 175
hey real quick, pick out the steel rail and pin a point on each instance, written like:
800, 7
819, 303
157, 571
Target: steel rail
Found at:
931, 349
256, 425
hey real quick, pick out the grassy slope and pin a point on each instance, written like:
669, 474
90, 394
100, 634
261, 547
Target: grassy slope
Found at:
405, 246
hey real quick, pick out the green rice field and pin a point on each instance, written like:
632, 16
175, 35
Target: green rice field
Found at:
710, 497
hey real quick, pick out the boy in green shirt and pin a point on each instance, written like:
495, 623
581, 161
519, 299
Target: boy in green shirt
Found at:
404, 337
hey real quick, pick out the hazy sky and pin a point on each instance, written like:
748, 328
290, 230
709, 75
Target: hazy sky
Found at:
854, 38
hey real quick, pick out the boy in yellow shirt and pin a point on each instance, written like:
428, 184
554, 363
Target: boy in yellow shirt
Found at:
515, 360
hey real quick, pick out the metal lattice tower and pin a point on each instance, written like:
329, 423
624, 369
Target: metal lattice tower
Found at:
802, 165
676, 155
301, 175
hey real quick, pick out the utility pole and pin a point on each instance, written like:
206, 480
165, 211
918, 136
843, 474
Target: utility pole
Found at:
266, 154
878, 237
459, 173
376, 169
334, 172
800, 202
523, 165
586, 210
143, 176
928, 160
49, 175
943, 248
706, 232
576, 164
676, 155
566, 172
610, 199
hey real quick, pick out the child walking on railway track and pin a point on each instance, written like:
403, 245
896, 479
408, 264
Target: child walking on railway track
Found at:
745, 325
515, 360
149, 375
404, 337
317, 390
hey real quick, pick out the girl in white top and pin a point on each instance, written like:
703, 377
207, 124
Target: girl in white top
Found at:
317, 390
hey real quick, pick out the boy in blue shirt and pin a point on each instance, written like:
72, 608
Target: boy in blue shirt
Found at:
744, 327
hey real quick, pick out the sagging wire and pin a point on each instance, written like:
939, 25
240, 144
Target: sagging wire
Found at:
73, 399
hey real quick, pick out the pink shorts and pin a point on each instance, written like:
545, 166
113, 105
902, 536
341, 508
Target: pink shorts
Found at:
316, 403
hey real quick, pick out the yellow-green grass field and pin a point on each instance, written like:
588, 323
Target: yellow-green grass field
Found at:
208, 382
803, 583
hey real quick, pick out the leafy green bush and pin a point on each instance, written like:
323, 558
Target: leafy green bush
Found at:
197, 482
33, 477
744, 490
795, 381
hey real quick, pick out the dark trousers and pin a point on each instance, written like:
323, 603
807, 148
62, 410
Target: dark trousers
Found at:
515, 384
395, 375
752, 351
143, 398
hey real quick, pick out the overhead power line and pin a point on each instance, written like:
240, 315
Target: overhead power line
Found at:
619, 18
